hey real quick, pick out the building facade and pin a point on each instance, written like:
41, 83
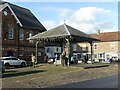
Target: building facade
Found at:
51, 49
108, 47
18, 24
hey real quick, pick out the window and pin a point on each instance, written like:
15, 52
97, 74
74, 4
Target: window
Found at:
79, 56
95, 46
74, 47
30, 34
10, 32
95, 55
48, 50
112, 46
21, 53
57, 49
21, 34
30, 54
84, 47
100, 55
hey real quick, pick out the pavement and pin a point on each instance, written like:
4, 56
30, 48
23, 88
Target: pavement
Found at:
106, 82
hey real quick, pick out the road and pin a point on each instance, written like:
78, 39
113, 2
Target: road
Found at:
107, 82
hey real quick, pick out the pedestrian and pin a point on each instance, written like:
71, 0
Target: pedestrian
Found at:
62, 57
33, 60
66, 60
86, 58
110, 60
75, 59
72, 60
56, 57
45, 58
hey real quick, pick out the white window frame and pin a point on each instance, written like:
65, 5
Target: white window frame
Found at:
30, 34
74, 47
10, 32
112, 46
21, 53
84, 47
95, 46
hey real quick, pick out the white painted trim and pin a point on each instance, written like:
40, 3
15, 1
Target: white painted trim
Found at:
7, 5
4, 6
66, 29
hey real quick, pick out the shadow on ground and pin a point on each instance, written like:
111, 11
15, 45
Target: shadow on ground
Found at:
22, 73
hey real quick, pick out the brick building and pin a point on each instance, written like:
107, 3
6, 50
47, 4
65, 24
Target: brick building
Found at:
16, 25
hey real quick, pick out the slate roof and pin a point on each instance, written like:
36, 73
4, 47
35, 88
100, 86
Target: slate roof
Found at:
64, 31
26, 17
107, 36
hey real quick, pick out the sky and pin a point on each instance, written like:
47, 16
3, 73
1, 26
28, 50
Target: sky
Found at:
88, 17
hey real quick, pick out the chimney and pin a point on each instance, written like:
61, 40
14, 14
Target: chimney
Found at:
98, 31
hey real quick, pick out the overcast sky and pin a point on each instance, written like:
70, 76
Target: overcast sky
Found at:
85, 16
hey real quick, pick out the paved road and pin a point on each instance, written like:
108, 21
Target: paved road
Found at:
108, 82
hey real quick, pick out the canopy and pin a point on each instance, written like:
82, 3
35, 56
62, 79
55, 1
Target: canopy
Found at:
63, 32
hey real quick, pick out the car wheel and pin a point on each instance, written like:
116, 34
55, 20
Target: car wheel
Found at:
7, 65
23, 64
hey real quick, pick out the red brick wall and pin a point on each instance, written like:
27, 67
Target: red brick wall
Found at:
14, 44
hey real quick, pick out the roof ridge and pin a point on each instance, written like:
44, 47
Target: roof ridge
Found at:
66, 29
18, 6
106, 32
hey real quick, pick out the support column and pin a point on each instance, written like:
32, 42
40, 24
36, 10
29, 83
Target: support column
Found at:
91, 44
36, 51
18, 44
1, 39
69, 51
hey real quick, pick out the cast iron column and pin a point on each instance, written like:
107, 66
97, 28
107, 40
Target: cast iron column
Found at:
36, 51
69, 57
91, 44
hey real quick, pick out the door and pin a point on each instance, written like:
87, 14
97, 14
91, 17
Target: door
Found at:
10, 53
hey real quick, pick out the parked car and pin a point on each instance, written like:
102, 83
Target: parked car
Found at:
51, 60
13, 61
2, 67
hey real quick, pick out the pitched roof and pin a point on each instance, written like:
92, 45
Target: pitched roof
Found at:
64, 31
25, 17
107, 36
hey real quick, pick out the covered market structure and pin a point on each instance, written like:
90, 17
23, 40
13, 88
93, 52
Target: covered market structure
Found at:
65, 35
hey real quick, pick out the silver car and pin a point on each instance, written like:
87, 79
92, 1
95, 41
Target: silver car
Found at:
13, 61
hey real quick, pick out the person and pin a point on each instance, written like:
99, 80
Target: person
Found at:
33, 60
86, 58
56, 57
63, 56
75, 60
66, 60
45, 58
110, 60
72, 60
